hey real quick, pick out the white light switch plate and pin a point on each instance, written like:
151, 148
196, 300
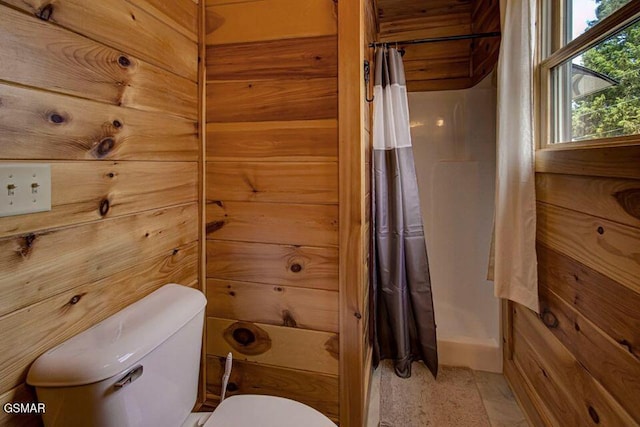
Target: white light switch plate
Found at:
24, 188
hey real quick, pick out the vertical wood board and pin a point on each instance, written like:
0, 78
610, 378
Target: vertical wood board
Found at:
351, 91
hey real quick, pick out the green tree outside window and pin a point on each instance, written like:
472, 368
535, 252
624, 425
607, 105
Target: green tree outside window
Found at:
614, 111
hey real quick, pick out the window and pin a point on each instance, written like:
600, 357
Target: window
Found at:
584, 14
590, 73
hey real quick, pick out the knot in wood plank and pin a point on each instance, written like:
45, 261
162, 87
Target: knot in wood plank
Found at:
594, 415
104, 206
629, 200
124, 61
27, 247
247, 338
104, 147
75, 299
288, 320
549, 319
214, 226
56, 118
45, 12
332, 346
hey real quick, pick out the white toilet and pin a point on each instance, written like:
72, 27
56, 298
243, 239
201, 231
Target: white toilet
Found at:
140, 368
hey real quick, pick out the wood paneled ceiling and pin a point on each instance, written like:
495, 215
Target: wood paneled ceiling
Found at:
443, 65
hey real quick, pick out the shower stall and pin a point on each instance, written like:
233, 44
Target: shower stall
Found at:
453, 135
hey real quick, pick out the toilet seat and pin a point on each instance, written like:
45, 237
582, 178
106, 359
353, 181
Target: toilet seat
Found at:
250, 410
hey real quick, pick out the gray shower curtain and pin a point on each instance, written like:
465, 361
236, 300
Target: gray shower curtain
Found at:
403, 322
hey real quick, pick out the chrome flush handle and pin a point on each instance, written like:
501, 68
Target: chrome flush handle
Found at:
129, 377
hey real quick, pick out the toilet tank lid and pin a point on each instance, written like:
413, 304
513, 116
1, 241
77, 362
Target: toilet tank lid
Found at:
118, 342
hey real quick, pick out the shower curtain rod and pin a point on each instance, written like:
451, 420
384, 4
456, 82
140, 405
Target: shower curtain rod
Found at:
438, 39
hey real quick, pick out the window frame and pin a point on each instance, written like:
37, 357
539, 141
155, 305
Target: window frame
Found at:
553, 51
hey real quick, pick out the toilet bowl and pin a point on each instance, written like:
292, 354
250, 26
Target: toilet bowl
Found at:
260, 411
139, 368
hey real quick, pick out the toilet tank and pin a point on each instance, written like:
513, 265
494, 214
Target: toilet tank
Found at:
138, 367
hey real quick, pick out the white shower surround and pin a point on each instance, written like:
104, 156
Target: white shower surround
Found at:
453, 136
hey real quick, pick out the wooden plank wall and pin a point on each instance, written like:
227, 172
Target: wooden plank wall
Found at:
357, 28
370, 34
579, 363
108, 95
485, 18
432, 66
416, 19
446, 65
272, 199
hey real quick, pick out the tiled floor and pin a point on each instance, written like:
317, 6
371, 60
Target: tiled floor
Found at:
499, 401
459, 398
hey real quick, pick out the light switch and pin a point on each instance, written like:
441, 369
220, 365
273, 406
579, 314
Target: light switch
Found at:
24, 188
